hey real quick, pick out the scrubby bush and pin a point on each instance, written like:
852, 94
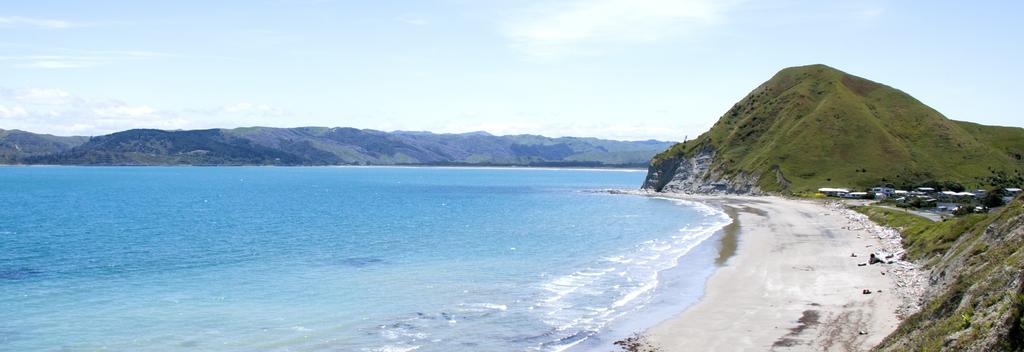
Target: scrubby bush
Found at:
963, 210
953, 186
993, 198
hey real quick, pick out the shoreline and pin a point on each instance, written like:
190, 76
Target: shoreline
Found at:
788, 282
677, 288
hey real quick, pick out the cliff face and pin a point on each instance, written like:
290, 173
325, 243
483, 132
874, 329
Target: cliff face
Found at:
693, 174
815, 126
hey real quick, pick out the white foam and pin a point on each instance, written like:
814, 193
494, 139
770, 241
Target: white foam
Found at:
567, 346
636, 278
632, 295
483, 307
493, 306
393, 348
661, 247
619, 259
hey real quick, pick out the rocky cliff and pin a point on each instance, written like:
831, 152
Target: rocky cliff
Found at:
693, 174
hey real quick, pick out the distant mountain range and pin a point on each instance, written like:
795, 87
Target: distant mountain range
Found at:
815, 126
320, 146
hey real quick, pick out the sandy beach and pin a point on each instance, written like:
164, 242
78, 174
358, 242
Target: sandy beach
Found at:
792, 284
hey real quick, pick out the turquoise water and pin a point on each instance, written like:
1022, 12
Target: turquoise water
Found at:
335, 259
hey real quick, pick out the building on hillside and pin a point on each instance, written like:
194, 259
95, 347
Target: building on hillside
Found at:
979, 193
925, 190
946, 196
957, 197
946, 207
929, 202
833, 192
883, 192
855, 195
1012, 192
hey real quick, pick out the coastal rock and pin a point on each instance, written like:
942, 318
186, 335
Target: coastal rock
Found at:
694, 174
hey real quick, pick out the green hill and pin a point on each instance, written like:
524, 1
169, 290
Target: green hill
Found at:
815, 126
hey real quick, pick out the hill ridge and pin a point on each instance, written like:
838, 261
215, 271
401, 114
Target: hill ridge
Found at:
314, 145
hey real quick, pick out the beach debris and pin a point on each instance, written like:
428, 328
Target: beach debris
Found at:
876, 258
636, 343
908, 278
862, 332
853, 255
866, 292
862, 264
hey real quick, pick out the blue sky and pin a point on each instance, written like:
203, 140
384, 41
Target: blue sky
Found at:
623, 69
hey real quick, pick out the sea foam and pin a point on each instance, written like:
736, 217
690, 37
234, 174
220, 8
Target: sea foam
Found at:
586, 301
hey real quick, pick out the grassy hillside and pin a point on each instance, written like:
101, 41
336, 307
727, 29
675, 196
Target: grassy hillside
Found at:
819, 126
976, 301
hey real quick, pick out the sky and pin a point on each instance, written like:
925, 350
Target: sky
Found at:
619, 69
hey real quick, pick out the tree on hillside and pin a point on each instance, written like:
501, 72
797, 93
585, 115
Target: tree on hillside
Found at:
953, 186
993, 198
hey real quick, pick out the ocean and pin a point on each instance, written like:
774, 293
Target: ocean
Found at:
340, 258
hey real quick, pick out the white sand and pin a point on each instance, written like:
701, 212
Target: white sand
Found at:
791, 286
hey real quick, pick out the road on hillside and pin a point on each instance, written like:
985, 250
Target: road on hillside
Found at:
930, 216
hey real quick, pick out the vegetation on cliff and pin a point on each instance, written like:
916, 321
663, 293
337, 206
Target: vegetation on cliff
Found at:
976, 297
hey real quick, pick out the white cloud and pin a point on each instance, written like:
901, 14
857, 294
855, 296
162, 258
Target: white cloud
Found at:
36, 22
77, 59
55, 111
50, 64
41, 96
246, 107
10, 113
124, 111
48, 110
415, 21
586, 27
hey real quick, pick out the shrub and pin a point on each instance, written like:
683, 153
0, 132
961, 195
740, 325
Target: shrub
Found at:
993, 198
963, 210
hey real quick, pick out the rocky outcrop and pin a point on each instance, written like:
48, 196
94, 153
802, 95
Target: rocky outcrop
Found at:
695, 174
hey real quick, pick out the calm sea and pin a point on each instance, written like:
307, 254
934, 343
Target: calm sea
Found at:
337, 259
